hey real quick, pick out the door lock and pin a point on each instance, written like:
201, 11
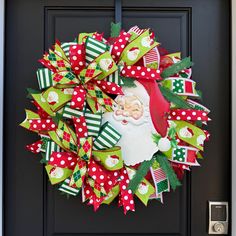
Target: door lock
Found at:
218, 218
219, 227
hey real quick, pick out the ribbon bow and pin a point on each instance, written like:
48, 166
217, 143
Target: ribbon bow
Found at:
84, 72
88, 164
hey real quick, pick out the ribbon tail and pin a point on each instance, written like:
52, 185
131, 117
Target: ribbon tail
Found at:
159, 107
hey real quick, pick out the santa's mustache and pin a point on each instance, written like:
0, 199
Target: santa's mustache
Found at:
130, 119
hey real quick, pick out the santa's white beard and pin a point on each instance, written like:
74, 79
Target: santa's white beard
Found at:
136, 140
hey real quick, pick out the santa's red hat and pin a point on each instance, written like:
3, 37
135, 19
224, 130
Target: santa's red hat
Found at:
158, 106
52, 103
190, 131
53, 168
110, 66
114, 157
133, 48
143, 183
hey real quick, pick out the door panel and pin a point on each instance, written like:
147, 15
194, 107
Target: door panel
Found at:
57, 22
196, 28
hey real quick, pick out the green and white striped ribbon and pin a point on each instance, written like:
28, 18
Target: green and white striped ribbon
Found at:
44, 139
107, 138
44, 76
51, 147
66, 188
197, 106
94, 48
69, 112
115, 77
93, 121
66, 47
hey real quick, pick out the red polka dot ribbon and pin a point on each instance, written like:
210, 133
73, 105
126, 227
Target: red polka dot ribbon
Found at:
98, 36
93, 199
63, 160
114, 179
140, 72
97, 173
77, 58
109, 87
188, 115
78, 98
119, 45
35, 147
80, 127
42, 125
126, 197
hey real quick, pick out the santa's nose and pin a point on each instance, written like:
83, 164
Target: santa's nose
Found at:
126, 113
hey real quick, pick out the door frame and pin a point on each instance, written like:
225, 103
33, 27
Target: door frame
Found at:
233, 113
233, 107
2, 36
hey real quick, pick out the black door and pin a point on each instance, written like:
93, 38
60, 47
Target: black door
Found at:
199, 28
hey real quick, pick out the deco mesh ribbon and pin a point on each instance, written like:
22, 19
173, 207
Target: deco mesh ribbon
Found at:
78, 84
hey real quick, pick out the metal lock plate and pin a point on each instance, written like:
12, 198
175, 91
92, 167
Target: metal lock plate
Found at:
218, 218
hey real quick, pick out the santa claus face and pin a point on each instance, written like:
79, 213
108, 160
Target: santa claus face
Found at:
129, 109
52, 98
111, 161
143, 188
106, 64
185, 132
133, 53
146, 42
56, 172
200, 139
132, 119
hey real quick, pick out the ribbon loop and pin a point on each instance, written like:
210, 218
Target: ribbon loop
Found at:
141, 72
136, 49
111, 158
107, 138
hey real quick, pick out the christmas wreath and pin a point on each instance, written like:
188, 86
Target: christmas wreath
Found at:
117, 117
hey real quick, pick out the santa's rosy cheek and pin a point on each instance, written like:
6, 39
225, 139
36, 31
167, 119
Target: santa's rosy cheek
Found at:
118, 112
137, 115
